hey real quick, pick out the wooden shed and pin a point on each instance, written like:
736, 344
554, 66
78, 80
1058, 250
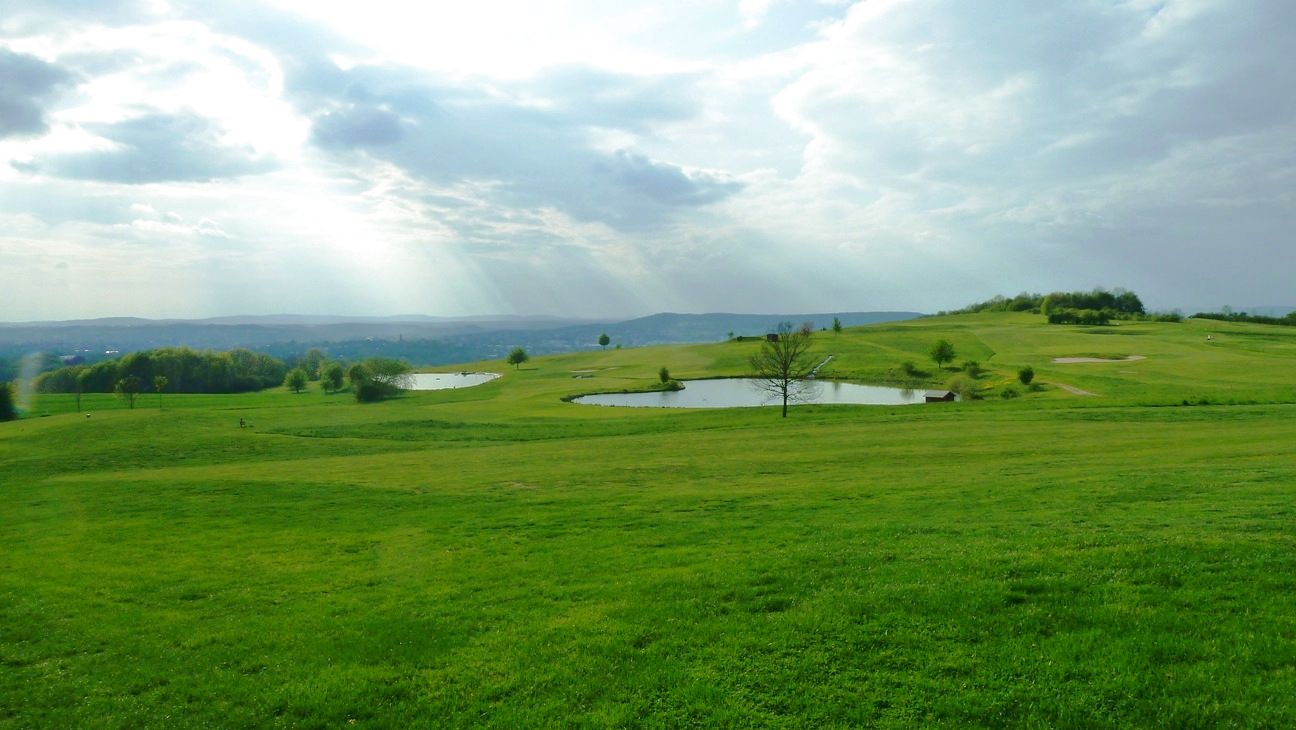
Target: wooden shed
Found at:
937, 396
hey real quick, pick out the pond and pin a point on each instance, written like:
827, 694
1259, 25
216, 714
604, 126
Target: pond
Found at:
742, 393
446, 381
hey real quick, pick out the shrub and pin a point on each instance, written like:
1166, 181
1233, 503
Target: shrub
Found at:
369, 391
1008, 393
972, 368
378, 378
7, 410
664, 374
910, 368
1026, 375
963, 386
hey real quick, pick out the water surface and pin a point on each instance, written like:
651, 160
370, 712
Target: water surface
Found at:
446, 381
743, 393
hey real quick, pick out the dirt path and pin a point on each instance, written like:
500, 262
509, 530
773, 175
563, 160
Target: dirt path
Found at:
1073, 389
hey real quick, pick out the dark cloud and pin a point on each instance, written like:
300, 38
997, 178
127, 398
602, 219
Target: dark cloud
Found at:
27, 84
354, 126
537, 156
668, 184
157, 148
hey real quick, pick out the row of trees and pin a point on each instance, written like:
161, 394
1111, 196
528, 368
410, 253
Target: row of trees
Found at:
1081, 316
1230, 316
374, 379
183, 370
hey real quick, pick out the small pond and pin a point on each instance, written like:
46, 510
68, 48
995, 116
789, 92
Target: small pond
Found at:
742, 392
446, 381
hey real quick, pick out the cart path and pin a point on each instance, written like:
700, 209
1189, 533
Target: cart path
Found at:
1074, 390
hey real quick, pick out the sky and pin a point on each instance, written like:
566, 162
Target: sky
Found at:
163, 158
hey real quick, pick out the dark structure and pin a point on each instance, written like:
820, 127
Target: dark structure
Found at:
938, 396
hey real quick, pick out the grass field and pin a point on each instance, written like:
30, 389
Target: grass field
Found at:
497, 557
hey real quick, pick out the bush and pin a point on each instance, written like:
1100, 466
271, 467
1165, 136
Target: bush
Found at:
369, 391
378, 378
1008, 393
1026, 375
664, 374
963, 386
7, 410
972, 368
910, 368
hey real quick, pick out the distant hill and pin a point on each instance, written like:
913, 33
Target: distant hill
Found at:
656, 329
668, 327
421, 339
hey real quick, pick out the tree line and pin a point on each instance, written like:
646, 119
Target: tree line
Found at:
185, 371
1289, 320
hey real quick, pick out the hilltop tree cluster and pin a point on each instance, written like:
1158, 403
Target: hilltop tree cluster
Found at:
1119, 303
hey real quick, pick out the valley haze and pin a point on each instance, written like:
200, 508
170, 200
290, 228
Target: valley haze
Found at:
421, 339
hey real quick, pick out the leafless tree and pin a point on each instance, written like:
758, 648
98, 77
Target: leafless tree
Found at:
782, 366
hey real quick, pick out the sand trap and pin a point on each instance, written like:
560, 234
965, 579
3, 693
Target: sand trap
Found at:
1131, 358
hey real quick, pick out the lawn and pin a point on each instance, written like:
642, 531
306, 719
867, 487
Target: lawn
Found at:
497, 557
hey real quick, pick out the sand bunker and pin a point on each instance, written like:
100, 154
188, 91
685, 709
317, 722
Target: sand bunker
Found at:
1129, 358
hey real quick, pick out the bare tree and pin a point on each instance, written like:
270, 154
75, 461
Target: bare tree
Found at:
783, 364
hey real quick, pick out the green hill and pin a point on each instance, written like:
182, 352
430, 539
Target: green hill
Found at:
496, 556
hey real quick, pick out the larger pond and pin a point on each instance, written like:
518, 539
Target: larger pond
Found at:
445, 381
743, 393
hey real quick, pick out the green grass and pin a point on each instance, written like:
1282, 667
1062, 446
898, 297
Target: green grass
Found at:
494, 556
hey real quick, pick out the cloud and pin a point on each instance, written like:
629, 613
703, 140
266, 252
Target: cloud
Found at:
181, 147
1062, 131
593, 97
535, 151
668, 184
28, 16
351, 127
27, 85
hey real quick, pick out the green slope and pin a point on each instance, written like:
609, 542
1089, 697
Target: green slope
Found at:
495, 556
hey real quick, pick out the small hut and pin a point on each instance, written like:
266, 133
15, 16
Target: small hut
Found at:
938, 396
